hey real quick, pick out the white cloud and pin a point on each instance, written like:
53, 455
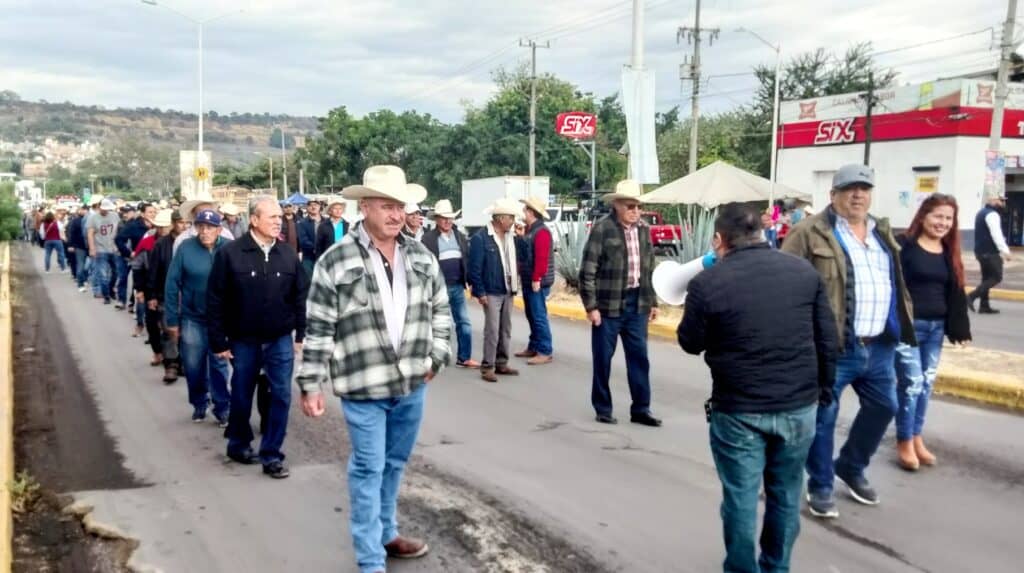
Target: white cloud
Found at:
308, 56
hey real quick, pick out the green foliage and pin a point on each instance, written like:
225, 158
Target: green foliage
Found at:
569, 256
10, 213
24, 492
275, 139
697, 229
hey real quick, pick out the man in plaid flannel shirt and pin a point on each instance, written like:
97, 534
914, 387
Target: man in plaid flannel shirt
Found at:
378, 324
615, 284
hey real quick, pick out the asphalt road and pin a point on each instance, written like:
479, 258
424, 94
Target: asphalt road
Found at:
516, 476
1003, 331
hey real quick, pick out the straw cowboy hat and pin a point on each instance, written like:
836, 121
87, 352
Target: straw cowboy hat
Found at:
504, 206
187, 207
230, 209
419, 190
412, 208
334, 200
386, 182
107, 205
95, 200
537, 206
625, 189
443, 208
163, 218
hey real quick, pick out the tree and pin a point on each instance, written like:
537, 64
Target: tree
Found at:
10, 213
275, 139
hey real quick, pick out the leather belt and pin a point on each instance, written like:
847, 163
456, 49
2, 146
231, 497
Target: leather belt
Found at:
866, 340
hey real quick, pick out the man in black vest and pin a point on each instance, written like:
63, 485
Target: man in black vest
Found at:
537, 269
990, 249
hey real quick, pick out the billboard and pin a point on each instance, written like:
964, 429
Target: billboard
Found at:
196, 172
576, 125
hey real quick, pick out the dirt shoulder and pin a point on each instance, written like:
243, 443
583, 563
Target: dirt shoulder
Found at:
60, 441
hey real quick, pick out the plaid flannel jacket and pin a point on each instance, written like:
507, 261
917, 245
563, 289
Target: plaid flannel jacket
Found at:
604, 270
346, 336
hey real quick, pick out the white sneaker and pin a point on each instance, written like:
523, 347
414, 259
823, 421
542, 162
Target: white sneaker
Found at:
81, 289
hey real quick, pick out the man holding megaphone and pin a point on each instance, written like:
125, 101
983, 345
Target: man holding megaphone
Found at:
763, 321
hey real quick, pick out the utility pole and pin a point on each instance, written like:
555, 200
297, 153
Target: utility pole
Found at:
1006, 50
695, 35
870, 100
284, 169
533, 99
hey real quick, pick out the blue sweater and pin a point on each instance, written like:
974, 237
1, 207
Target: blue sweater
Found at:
185, 289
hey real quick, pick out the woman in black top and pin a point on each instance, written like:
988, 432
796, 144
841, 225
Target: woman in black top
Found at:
934, 274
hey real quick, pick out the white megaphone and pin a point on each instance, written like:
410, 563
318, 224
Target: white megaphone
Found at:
670, 278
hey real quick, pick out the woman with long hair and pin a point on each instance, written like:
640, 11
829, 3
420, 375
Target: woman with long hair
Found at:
934, 273
51, 231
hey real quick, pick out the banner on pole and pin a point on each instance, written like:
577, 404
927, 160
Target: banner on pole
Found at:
196, 172
638, 105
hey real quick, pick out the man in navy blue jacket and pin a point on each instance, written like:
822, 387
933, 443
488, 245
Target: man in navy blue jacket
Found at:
307, 236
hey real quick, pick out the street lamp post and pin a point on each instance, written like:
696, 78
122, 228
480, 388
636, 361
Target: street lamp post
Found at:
775, 110
200, 24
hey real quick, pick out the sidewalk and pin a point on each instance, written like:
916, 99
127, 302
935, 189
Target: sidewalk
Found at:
980, 375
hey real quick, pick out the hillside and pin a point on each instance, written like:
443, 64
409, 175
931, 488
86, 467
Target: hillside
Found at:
234, 136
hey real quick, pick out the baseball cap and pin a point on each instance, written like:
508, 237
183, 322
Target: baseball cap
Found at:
853, 174
207, 217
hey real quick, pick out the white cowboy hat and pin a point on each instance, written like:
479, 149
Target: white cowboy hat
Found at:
538, 206
188, 206
504, 206
443, 208
163, 218
107, 205
387, 182
412, 208
230, 209
417, 189
625, 189
334, 200
95, 200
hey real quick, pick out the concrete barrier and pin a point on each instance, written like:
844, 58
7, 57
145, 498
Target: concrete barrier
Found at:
6, 408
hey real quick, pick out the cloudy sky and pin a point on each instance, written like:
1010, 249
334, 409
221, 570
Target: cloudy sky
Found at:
305, 57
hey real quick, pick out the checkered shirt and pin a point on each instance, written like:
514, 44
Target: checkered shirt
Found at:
632, 256
872, 280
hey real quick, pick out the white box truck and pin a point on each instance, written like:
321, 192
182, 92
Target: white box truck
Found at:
479, 194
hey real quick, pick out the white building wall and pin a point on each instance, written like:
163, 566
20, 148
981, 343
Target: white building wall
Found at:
961, 162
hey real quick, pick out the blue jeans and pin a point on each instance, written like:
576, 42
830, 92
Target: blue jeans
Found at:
460, 316
51, 246
277, 359
205, 372
745, 448
121, 265
84, 264
632, 326
140, 314
871, 372
102, 273
308, 265
382, 433
535, 305
915, 371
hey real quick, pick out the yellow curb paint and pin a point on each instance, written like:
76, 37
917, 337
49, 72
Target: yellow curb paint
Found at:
992, 389
6, 408
1003, 294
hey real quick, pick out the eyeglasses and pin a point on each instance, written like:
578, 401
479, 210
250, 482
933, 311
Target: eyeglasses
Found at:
631, 206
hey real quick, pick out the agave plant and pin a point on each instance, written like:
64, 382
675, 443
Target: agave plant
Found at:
569, 256
697, 230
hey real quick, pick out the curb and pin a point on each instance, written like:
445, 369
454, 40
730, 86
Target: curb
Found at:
992, 389
1003, 294
6, 409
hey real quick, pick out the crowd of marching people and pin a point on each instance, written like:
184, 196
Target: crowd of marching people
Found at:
230, 300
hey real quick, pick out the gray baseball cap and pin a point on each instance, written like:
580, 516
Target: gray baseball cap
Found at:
852, 174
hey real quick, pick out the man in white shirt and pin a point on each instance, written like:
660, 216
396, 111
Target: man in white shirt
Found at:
990, 249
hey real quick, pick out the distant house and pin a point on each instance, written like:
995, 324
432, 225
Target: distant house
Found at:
8, 177
34, 169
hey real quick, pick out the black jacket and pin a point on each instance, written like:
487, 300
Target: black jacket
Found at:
307, 238
159, 262
325, 235
763, 320
255, 298
430, 241
129, 235
75, 233
958, 325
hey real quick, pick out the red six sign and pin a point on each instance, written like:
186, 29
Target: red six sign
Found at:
576, 125
835, 131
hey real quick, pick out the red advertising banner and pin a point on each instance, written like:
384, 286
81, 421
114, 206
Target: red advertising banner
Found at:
576, 125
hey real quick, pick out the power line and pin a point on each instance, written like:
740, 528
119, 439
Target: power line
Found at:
930, 42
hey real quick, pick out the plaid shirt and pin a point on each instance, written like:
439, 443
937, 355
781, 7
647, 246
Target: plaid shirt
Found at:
347, 339
633, 256
872, 279
604, 273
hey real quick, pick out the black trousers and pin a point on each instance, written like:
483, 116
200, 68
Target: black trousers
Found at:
991, 275
154, 318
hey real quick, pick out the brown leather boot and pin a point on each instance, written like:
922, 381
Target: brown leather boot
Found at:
927, 458
488, 374
908, 459
525, 353
506, 371
406, 548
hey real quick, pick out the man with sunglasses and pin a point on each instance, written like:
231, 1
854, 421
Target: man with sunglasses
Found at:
615, 285
857, 258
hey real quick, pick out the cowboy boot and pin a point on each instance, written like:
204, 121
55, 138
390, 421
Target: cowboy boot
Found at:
927, 458
907, 457
487, 374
